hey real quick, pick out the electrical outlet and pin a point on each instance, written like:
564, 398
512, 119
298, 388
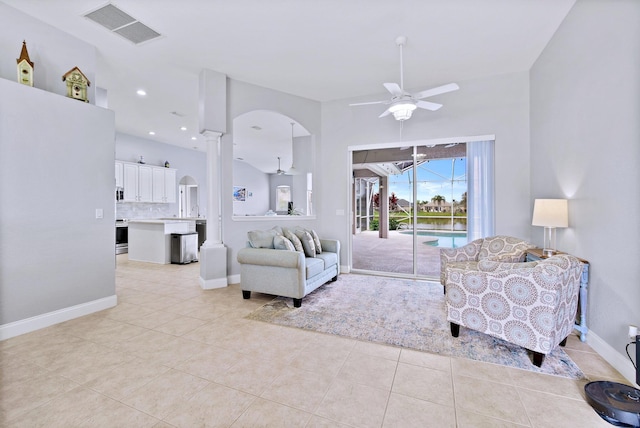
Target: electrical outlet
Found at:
633, 331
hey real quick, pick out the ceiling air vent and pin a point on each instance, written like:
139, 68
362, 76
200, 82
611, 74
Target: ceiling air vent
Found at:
123, 24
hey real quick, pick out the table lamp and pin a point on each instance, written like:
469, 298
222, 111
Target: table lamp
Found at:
550, 213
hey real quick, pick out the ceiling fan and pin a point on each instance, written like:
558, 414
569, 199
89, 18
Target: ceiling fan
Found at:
402, 103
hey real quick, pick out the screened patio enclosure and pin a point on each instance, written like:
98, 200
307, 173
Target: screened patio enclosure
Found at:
407, 203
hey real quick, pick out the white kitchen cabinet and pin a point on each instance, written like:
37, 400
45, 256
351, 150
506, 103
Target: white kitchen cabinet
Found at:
137, 182
164, 185
119, 174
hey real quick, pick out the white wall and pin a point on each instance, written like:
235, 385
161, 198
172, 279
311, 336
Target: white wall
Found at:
585, 134
257, 184
56, 169
495, 105
52, 51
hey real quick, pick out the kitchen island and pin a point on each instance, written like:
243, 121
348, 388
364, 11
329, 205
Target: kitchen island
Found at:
150, 240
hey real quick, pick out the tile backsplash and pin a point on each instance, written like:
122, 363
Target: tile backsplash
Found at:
133, 210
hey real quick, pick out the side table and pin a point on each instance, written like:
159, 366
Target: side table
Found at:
581, 325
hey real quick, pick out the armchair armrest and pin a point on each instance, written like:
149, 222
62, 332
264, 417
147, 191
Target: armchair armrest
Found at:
271, 257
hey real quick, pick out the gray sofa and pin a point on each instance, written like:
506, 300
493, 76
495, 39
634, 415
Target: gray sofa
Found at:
283, 272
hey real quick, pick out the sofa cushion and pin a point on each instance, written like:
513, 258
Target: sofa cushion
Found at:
261, 238
282, 243
308, 245
313, 267
329, 259
294, 240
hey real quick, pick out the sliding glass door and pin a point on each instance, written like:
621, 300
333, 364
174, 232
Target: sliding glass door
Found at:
408, 203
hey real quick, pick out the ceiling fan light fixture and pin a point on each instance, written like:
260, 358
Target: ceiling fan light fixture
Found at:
402, 110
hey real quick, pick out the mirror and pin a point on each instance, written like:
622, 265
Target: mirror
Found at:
272, 166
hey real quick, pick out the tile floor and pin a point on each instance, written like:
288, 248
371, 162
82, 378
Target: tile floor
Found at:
173, 355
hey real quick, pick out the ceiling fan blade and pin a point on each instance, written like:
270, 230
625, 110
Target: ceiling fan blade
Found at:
387, 112
364, 104
395, 90
428, 105
436, 91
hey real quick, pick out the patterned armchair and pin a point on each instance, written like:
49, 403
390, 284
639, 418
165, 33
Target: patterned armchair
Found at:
500, 248
530, 304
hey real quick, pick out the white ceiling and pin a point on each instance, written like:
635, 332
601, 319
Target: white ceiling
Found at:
318, 49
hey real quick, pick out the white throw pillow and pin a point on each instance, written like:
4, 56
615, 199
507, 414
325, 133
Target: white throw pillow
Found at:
308, 245
294, 240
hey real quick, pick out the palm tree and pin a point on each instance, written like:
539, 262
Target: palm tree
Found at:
438, 199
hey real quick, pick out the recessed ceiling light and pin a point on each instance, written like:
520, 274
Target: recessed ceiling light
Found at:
183, 128
152, 133
141, 92
193, 138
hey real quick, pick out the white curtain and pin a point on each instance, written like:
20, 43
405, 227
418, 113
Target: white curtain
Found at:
480, 189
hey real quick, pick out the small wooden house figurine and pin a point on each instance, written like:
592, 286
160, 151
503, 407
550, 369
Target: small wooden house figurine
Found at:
25, 66
77, 84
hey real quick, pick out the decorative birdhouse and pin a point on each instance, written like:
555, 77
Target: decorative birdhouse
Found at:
77, 84
25, 67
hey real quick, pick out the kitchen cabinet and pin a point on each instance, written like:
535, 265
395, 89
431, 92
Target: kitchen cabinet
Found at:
119, 174
137, 183
164, 185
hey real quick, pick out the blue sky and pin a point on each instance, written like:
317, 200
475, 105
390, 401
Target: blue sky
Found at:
434, 178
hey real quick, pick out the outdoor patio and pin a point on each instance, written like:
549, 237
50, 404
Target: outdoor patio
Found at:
394, 254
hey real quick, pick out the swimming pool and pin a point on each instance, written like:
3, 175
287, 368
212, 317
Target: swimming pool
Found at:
444, 239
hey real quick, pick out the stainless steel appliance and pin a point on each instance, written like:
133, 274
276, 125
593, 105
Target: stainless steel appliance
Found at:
122, 236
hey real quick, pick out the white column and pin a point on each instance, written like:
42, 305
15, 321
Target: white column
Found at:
213, 253
214, 235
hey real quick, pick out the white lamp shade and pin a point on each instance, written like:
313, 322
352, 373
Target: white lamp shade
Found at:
550, 213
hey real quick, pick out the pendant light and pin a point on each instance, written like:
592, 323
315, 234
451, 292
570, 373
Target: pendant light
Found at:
292, 170
279, 171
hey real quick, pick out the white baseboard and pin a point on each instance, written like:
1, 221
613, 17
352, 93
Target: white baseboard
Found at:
619, 361
210, 284
38, 322
234, 279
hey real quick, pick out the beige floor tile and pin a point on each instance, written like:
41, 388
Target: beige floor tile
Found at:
354, 404
548, 410
489, 398
174, 352
378, 350
164, 394
480, 370
298, 388
368, 370
69, 409
126, 378
180, 325
155, 319
407, 412
87, 361
148, 341
524, 379
211, 363
467, 419
126, 312
323, 354
251, 374
212, 406
425, 359
24, 394
593, 365
116, 414
264, 413
424, 383
319, 422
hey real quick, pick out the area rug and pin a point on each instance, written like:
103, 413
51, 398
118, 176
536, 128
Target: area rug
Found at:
405, 313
